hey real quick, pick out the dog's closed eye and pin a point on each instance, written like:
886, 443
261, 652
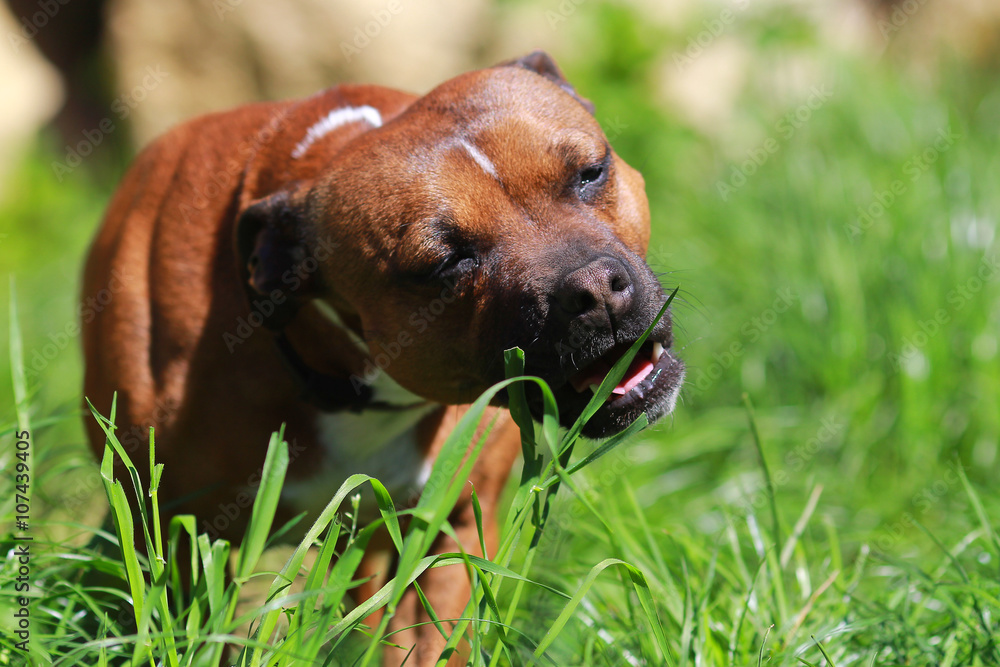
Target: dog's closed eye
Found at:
446, 254
460, 262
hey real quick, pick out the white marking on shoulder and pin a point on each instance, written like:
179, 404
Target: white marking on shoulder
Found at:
332, 121
480, 158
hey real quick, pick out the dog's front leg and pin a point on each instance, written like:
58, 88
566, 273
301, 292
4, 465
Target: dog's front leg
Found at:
447, 588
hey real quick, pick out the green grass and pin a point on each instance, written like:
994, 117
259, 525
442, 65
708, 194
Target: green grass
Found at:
846, 518
177, 624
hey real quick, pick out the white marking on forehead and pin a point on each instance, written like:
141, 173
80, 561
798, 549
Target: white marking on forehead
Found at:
332, 121
480, 158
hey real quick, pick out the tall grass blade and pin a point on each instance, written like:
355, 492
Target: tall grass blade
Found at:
641, 589
264, 505
16, 351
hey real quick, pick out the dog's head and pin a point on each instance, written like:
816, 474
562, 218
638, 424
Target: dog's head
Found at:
492, 213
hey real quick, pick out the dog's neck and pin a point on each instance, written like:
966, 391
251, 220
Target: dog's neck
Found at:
350, 382
379, 438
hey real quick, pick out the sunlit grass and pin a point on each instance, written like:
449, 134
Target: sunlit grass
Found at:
870, 540
150, 614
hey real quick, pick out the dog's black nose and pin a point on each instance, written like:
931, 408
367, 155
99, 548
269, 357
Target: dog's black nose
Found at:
600, 292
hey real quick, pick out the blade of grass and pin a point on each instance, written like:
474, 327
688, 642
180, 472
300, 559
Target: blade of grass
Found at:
977, 505
771, 489
16, 351
800, 525
645, 599
264, 505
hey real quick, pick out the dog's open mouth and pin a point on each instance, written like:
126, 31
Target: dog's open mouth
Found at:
650, 385
642, 367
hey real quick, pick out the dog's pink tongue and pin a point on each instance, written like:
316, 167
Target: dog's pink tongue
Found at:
595, 374
636, 373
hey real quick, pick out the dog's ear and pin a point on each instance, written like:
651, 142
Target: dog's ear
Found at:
542, 63
272, 242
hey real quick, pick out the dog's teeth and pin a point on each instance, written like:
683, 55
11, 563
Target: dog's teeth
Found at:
594, 388
657, 351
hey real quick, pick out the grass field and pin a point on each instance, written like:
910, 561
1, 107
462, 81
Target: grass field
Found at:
825, 493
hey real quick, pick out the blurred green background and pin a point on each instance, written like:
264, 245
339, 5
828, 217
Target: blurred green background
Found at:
823, 185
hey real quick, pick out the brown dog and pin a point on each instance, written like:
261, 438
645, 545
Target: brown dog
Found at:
352, 264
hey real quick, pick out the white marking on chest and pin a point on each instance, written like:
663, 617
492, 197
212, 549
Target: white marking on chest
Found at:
480, 158
332, 121
379, 443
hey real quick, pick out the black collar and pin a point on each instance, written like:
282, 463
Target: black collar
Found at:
328, 392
